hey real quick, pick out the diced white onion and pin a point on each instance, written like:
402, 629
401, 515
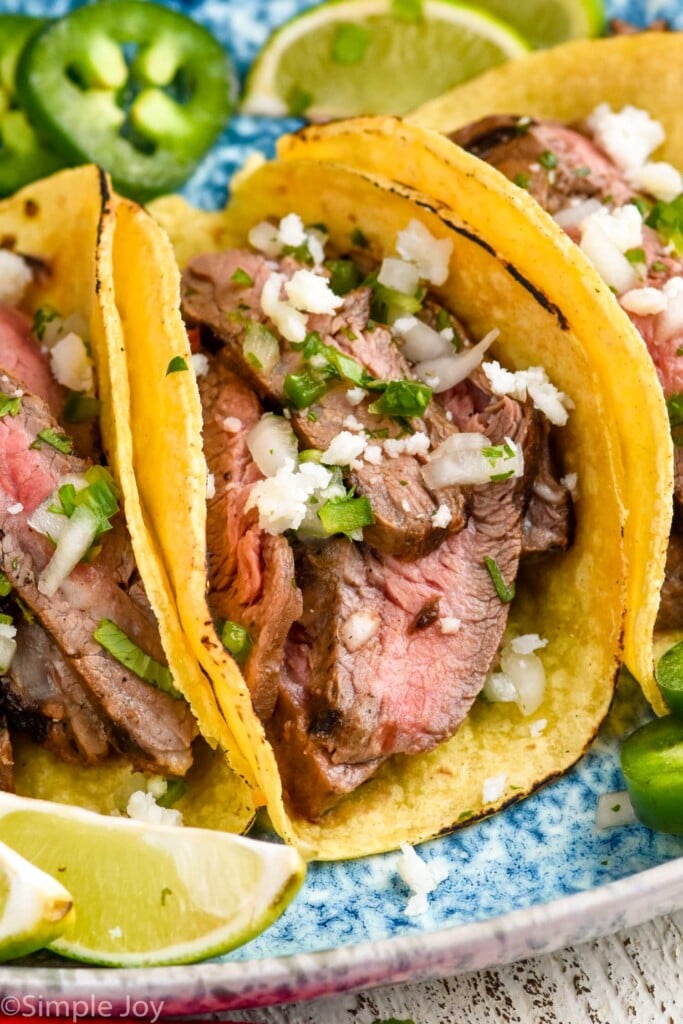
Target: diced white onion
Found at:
401, 276
291, 231
15, 277
420, 341
644, 301
51, 524
606, 257
499, 688
528, 676
311, 293
493, 788
71, 364
260, 347
450, 370
459, 460
59, 326
272, 444
77, 535
290, 322
614, 809
575, 214
264, 237
671, 321
659, 179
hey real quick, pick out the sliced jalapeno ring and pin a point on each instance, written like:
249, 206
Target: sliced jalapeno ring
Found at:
669, 676
23, 156
135, 87
652, 763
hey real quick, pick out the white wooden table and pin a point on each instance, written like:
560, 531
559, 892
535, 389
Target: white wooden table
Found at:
635, 977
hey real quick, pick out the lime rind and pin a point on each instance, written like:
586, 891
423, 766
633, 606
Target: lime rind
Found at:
266, 93
35, 907
151, 894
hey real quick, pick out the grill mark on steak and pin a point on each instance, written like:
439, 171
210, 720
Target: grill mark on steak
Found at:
404, 690
251, 574
211, 299
156, 724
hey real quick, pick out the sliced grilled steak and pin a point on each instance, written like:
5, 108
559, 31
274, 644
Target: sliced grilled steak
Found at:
519, 148
212, 299
6, 758
42, 682
157, 725
548, 521
389, 656
251, 574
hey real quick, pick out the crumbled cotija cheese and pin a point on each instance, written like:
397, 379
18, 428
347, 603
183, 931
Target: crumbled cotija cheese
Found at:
343, 449
15, 277
442, 516
200, 364
311, 293
533, 382
143, 807
420, 877
628, 136
71, 364
430, 255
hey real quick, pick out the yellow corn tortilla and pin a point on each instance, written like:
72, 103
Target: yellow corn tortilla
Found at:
67, 223
524, 234
576, 599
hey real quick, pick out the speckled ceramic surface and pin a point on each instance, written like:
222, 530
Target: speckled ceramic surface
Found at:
534, 878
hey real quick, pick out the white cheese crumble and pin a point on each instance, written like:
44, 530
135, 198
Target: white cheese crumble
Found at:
442, 516
359, 629
533, 382
200, 364
415, 444
528, 643
493, 788
282, 500
15, 509
343, 449
538, 727
659, 179
143, 807
644, 301
373, 454
354, 396
449, 625
430, 255
290, 322
232, 425
210, 486
627, 136
71, 365
571, 481
420, 877
351, 423
311, 293
291, 231
15, 277
614, 809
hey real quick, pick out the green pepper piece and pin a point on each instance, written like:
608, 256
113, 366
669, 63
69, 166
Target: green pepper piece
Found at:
137, 88
652, 763
669, 676
24, 157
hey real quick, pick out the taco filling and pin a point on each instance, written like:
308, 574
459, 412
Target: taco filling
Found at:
82, 668
374, 481
625, 211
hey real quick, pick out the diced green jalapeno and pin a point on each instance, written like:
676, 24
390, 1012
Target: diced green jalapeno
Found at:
135, 87
24, 157
652, 763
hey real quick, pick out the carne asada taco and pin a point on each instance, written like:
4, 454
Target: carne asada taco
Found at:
402, 434
543, 253
600, 147
100, 695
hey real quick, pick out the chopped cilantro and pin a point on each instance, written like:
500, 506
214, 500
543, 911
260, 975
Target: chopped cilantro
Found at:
674, 407
312, 416
657, 267
679, 351
242, 277
667, 220
9, 406
298, 101
636, 255
122, 649
505, 593
26, 612
41, 318
175, 789
5, 585
407, 10
350, 43
299, 252
176, 365
6, 620
55, 439
388, 304
345, 276
79, 408
548, 160
165, 892
522, 180
402, 398
497, 478
642, 205
582, 172
100, 496
615, 808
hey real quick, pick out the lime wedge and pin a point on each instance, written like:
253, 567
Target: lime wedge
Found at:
151, 894
548, 22
348, 57
34, 908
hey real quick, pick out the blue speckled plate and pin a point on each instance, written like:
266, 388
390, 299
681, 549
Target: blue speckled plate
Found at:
534, 878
